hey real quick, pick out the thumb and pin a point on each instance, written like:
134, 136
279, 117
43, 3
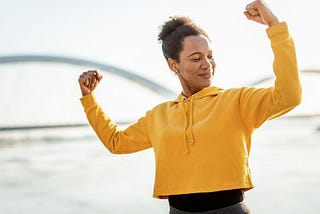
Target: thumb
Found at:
84, 83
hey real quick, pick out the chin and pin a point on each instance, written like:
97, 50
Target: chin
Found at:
204, 86
207, 84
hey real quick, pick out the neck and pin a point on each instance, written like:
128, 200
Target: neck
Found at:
189, 93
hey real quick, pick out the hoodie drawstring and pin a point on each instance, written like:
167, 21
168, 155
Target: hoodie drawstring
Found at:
189, 138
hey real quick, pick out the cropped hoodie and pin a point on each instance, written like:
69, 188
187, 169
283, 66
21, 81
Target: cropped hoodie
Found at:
202, 143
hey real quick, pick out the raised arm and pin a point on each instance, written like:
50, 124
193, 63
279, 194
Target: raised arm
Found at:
132, 139
260, 104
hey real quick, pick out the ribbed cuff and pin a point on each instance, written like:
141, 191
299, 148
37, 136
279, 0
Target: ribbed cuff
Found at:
278, 33
88, 100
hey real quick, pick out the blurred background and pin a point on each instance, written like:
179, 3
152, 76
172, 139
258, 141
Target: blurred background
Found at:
51, 161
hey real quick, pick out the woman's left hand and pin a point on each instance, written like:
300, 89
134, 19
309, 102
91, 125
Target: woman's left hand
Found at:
258, 11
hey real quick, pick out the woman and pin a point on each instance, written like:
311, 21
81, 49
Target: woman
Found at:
202, 139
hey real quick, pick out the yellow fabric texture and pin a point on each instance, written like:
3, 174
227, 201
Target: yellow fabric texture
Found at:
202, 143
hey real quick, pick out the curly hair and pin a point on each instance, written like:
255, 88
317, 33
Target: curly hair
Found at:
174, 31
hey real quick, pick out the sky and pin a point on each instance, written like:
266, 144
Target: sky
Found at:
124, 33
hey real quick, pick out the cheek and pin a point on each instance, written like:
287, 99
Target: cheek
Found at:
188, 72
191, 68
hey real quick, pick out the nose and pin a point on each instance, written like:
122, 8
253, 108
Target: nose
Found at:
207, 63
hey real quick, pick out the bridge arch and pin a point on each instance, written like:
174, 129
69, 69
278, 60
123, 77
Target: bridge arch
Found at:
14, 108
265, 79
147, 83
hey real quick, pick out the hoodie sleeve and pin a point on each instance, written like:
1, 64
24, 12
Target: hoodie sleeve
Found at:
132, 139
260, 104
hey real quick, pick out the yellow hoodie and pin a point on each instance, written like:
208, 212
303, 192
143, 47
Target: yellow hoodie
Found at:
202, 143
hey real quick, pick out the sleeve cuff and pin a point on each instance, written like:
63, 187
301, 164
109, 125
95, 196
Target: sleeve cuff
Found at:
88, 100
278, 33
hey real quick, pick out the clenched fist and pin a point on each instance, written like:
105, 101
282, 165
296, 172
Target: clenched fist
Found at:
258, 11
88, 81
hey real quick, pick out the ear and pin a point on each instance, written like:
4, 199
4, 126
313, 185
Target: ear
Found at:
172, 65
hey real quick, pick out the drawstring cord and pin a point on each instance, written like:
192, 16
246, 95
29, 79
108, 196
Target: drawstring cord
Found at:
185, 129
189, 138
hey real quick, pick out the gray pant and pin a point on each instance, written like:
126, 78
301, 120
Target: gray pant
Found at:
239, 208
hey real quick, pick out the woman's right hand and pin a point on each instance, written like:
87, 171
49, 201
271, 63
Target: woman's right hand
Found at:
88, 81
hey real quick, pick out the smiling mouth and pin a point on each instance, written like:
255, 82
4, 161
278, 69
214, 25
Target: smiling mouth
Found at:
206, 75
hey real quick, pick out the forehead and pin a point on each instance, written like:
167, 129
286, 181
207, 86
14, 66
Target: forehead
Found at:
197, 43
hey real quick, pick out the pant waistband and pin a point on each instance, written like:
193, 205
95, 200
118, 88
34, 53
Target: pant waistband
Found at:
200, 202
239, 208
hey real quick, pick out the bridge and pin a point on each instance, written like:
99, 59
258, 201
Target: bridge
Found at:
105, 68
147, 83
129, 75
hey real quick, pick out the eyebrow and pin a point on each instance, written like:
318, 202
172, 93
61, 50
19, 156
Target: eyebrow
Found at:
194, 53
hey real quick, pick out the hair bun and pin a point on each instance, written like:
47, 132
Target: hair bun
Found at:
172, 25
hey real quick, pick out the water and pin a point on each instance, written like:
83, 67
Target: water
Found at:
77, 175
285, 164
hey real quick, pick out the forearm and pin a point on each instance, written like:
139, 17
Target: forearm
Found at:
133, 139
100, 123
268, 103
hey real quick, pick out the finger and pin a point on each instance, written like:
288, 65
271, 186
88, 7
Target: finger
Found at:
96, 76
252, 11
92, 72
247, 14
90, 78
94, 85
252, 8
82, 79
93, 82
250, 16
99, 76
87, 82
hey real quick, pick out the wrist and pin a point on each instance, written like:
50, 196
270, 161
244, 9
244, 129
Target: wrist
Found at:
273, 22
85, 93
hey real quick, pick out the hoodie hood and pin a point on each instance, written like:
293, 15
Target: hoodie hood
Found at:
208, 91
187, 106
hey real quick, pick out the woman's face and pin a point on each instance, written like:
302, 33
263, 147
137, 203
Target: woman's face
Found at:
196, 67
